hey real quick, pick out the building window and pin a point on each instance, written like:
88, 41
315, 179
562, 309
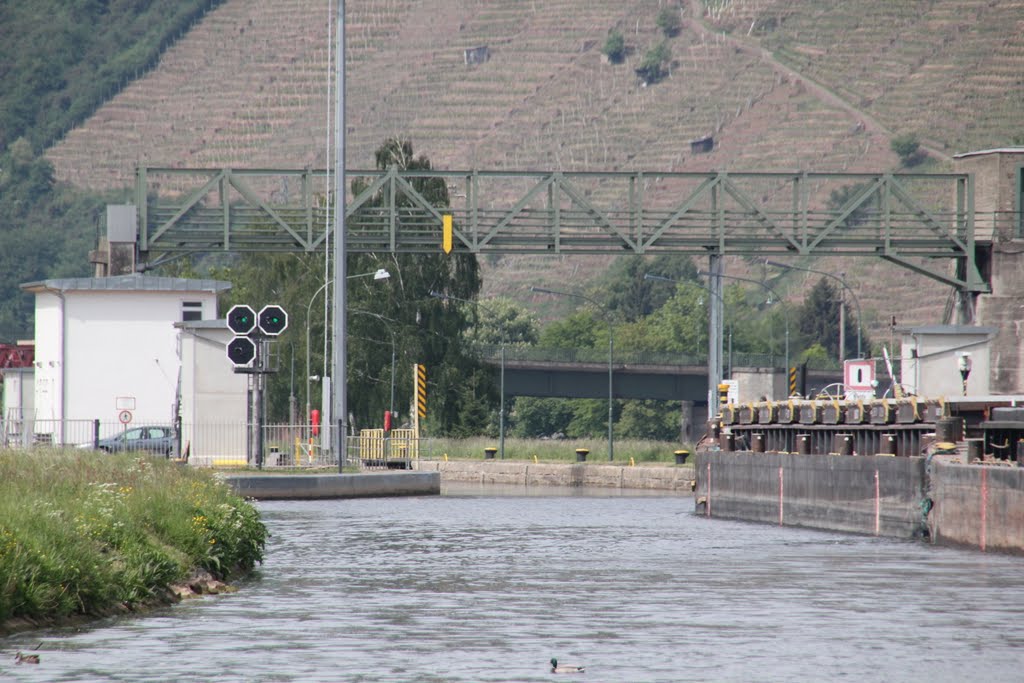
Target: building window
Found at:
191, 310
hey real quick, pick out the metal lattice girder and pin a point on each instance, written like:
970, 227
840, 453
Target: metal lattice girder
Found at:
899, 217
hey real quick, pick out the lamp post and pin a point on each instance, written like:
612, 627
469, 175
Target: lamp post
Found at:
379, 274
661, 278
505, 340
611, 346
770, 291
856, 301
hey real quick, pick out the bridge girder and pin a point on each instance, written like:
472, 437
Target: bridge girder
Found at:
899, 217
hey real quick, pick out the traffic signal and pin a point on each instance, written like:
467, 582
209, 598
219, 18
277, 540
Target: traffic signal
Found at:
241, 319
241, 351
273, 320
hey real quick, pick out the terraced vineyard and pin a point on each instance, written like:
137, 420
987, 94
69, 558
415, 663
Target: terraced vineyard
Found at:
780, 84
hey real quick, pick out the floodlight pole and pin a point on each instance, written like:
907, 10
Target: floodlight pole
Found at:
339, 350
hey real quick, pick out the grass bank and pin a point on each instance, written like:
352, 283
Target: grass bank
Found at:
85, 533
551, 450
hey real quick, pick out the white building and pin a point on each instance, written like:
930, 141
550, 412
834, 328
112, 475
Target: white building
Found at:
932, 356
107, 349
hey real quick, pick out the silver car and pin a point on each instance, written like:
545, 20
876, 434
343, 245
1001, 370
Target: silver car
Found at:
150, 439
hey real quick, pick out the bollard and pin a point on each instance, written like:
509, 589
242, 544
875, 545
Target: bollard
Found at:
975, 450
714, 429
757, 443
887, 444
489, 452
581, 454
844, 444
681, 457
803, 444
727, 442
949, 429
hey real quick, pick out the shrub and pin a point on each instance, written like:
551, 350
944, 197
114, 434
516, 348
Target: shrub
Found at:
907, 147
669, 21
654, 65
614, 47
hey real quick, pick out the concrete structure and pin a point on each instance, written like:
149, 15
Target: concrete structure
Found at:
999, 218
108, 345
931, 355
284, 487
213, 405
518, 473
979, 506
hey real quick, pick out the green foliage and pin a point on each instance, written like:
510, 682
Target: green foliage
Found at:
46, 231
654, 65
669, 21
533, 417
650, 420
501, 321
84, 533
614, 47
819, 321
839, 198
630, 295
907, 147
62, 60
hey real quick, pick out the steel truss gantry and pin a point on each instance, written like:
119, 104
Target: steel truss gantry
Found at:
908, 219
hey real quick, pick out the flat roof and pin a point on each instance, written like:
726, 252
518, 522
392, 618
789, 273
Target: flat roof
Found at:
997, 150
128, 283
948, 329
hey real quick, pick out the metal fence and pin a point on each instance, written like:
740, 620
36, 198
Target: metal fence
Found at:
217, 444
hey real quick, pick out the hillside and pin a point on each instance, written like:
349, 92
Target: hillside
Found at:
782, 84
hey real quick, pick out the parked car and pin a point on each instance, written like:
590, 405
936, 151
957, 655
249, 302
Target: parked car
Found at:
148, 439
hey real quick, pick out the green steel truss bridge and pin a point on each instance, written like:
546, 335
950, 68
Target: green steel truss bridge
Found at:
918, 221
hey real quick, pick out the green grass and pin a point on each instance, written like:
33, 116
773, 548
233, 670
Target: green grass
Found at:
546, 450
83, 533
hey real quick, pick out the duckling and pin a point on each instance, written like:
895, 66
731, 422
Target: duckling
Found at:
26, 659
564, 669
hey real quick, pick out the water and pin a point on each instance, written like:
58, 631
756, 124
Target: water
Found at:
488, 585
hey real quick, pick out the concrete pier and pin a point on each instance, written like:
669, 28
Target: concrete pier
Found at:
310, 486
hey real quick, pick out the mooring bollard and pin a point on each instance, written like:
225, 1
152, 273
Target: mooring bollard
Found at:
887, 445
581, 454
844, 444
757, 443
975, 450
489, 452
681, 457
727, 442
803, 444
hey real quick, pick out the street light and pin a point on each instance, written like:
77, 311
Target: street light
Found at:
379, 274
771, 292
504, 337
856, 301
611, 346
661, 278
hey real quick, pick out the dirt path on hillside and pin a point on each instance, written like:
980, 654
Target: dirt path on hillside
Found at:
752, 47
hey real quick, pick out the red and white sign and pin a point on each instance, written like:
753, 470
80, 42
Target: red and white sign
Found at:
859, 379
124, 417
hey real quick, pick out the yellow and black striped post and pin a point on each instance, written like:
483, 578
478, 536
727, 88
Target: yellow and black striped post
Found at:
792, 380
421, 390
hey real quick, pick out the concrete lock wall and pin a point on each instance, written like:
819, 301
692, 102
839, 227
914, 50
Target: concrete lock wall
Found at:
980, 506
364, 485
865, 494
545, 474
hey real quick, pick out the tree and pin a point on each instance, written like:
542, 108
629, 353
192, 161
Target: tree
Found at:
669, 21
614, 47
501, 321
907, 147
655, 63
819, 320
431, 328
630, 295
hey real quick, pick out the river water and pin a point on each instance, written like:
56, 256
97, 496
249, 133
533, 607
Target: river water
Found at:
490, 584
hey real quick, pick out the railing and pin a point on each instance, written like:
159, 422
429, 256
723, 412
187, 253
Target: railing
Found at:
219, 445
